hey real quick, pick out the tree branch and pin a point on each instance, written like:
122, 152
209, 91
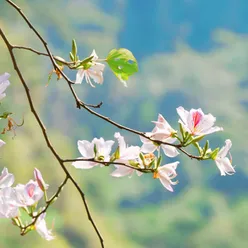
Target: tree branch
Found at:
43, 129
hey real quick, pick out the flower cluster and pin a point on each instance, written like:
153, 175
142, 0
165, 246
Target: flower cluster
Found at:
25, 197
194, 125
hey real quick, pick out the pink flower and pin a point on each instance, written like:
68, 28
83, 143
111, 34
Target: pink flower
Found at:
6, 179
196, 122
27, 195
98, 149
38, 177
41, 228
166, 173
4, 83
92, 70
223, 163
125, 155
162, 132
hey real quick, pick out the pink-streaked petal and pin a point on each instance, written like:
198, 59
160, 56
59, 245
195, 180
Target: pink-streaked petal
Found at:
206, 123
196, 117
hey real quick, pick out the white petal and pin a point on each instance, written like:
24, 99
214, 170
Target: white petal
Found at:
42, 229
1, 141
148, 148
170, 151
130, 153
121, 171
121, 142
6, 179
4, 77
94, 54
224, 150
84, 164
166, 183
80, 76
86, 148
183, 114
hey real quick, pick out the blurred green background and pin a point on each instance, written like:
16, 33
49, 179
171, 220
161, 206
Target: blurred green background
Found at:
192, 53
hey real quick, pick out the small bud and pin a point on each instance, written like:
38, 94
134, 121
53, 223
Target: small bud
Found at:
37, 174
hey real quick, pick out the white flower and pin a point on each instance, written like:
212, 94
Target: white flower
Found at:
95, 71
41, 228
27, 195
38, 177
4, 83
8, 206
125, 155
88, 149
6, 179
223, 162
196, 122
166, 173
162, 132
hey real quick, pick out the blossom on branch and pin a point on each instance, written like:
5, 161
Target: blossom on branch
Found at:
196, 122
92, 70
223, 163
4, 83
166, 173
41, 228
124, 155
98, 149
27, 195
162, 132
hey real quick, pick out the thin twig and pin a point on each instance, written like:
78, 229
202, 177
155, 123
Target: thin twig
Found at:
43, 129
107, 163
48, 203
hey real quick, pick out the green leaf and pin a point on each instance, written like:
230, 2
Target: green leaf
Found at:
74, 49
182, 130
85, 63
122, 63
214, 153
71, 57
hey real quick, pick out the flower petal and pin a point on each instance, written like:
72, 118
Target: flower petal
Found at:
121, 171
80, 76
